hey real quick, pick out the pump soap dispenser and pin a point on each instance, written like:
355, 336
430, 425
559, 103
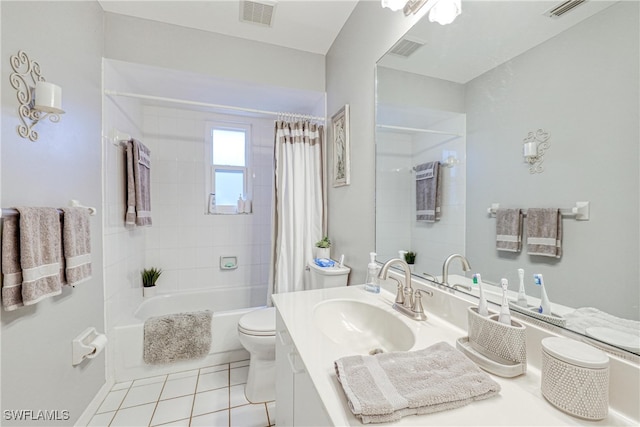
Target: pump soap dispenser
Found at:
372, 284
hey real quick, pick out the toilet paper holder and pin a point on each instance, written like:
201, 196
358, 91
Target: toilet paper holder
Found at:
87, 345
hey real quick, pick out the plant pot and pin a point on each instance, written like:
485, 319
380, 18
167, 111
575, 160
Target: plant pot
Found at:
323, 252
149, 292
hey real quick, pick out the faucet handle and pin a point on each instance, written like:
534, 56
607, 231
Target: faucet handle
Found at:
400, 292
417, 302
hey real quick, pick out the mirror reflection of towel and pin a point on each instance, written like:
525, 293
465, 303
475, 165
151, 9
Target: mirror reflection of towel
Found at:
428, 192
544, 232
509, 230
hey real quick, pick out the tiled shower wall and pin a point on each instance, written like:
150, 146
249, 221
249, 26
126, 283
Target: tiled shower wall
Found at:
186, 242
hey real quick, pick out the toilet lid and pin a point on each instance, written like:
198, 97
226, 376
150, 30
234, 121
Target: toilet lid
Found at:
259, 322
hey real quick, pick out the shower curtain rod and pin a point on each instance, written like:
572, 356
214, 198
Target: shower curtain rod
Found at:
206, 104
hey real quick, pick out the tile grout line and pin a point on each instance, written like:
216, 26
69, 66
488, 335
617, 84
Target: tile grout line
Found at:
120, 404
195, 392
158, 399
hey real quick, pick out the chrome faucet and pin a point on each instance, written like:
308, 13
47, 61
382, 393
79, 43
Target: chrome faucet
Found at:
445, 266
408, 301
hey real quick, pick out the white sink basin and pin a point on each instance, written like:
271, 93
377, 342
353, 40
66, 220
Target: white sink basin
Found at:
362, 327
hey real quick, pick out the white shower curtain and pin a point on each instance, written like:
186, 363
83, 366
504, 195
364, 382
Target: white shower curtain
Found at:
298, 203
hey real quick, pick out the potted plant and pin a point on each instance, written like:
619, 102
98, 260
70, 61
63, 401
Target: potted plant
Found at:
149, 278
410, 258
323, 248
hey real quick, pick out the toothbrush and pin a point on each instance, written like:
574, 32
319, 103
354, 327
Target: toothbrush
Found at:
522, 296
482, 303
545, 304
505, 314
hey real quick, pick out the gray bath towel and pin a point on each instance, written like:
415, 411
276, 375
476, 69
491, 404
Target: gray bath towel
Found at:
40, 253
76, 242
509, 230
544, 232
138, 184
11, 269
175, 337
428, 192
388, 386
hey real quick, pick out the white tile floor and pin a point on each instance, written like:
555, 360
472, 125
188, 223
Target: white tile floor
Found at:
211, 397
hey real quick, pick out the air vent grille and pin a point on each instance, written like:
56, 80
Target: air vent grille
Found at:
405, 47
260, 13
563, 8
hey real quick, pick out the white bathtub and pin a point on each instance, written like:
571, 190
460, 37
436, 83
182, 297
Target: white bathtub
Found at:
227, 305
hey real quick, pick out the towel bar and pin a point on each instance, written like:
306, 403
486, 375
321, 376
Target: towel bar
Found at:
580, 211
73, 203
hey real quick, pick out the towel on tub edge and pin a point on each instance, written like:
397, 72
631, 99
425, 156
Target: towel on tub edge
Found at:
174, 337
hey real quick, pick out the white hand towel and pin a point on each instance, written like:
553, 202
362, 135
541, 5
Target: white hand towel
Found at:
388, 386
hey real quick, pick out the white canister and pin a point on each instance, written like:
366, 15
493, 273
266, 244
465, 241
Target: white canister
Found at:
575, 377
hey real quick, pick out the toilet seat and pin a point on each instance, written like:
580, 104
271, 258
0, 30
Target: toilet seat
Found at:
261, 322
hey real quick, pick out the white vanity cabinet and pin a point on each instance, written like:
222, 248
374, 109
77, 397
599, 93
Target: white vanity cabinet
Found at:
297, 401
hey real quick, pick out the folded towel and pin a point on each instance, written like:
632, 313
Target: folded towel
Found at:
173, 337
509, 230
11, 269
40, 253
388, 386
428, 192
544, 232
76, 243
138, 184
582, 318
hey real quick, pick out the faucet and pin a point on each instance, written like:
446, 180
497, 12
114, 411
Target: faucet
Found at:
445, 266
408, 301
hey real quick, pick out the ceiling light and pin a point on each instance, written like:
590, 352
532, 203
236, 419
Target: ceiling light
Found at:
440, 11
394, 5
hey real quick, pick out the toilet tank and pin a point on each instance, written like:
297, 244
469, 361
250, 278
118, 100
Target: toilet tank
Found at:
327, 277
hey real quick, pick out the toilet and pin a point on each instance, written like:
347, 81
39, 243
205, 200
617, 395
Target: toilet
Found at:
257, 334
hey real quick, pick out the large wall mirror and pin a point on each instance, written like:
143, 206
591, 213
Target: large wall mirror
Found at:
468, 95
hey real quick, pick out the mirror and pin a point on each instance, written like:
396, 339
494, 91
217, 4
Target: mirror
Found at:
468, 95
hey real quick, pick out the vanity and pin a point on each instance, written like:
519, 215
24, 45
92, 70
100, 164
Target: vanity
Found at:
315, 328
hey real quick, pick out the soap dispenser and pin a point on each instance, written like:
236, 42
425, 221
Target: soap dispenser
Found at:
505, 314
371, 284
482, 301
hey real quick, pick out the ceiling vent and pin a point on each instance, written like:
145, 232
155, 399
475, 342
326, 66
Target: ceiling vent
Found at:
406, 46
260, 13
563, 8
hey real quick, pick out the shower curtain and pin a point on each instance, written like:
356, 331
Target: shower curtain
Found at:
298, 208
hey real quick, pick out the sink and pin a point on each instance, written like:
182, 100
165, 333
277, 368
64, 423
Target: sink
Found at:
362, 328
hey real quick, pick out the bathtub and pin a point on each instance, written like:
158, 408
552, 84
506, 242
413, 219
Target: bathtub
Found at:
227, 305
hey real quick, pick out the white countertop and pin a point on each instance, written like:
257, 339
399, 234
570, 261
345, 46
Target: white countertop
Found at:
520, 401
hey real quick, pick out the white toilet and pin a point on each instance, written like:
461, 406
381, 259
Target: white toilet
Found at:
257, 334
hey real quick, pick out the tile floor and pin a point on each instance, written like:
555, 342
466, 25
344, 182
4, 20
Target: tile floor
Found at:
212, 397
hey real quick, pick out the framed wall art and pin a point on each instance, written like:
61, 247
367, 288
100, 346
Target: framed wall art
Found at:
341, 155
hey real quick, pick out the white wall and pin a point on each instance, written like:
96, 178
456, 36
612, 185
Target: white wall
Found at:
368, 33
65, 38
583, 87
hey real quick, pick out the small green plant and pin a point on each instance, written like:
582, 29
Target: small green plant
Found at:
150, 276
324, 243
410, 257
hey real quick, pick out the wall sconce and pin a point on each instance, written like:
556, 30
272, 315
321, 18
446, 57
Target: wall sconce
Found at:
441, 11
38, 99
535, 145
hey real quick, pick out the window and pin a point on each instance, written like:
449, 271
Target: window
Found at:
229, 148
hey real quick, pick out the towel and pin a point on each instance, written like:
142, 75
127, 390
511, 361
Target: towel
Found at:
544, 232
174, 337
388, 386
509, 230
76, 243
138, 184
428, 192
40, 253
586, 317
11, 269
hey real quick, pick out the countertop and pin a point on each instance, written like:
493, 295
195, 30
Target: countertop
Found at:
520, 401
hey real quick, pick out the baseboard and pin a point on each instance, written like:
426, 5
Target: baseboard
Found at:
93, 406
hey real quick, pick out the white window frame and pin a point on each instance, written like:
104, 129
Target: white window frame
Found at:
211, 167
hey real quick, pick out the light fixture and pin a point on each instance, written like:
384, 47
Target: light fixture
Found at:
535, 145
37, 98
441, 11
